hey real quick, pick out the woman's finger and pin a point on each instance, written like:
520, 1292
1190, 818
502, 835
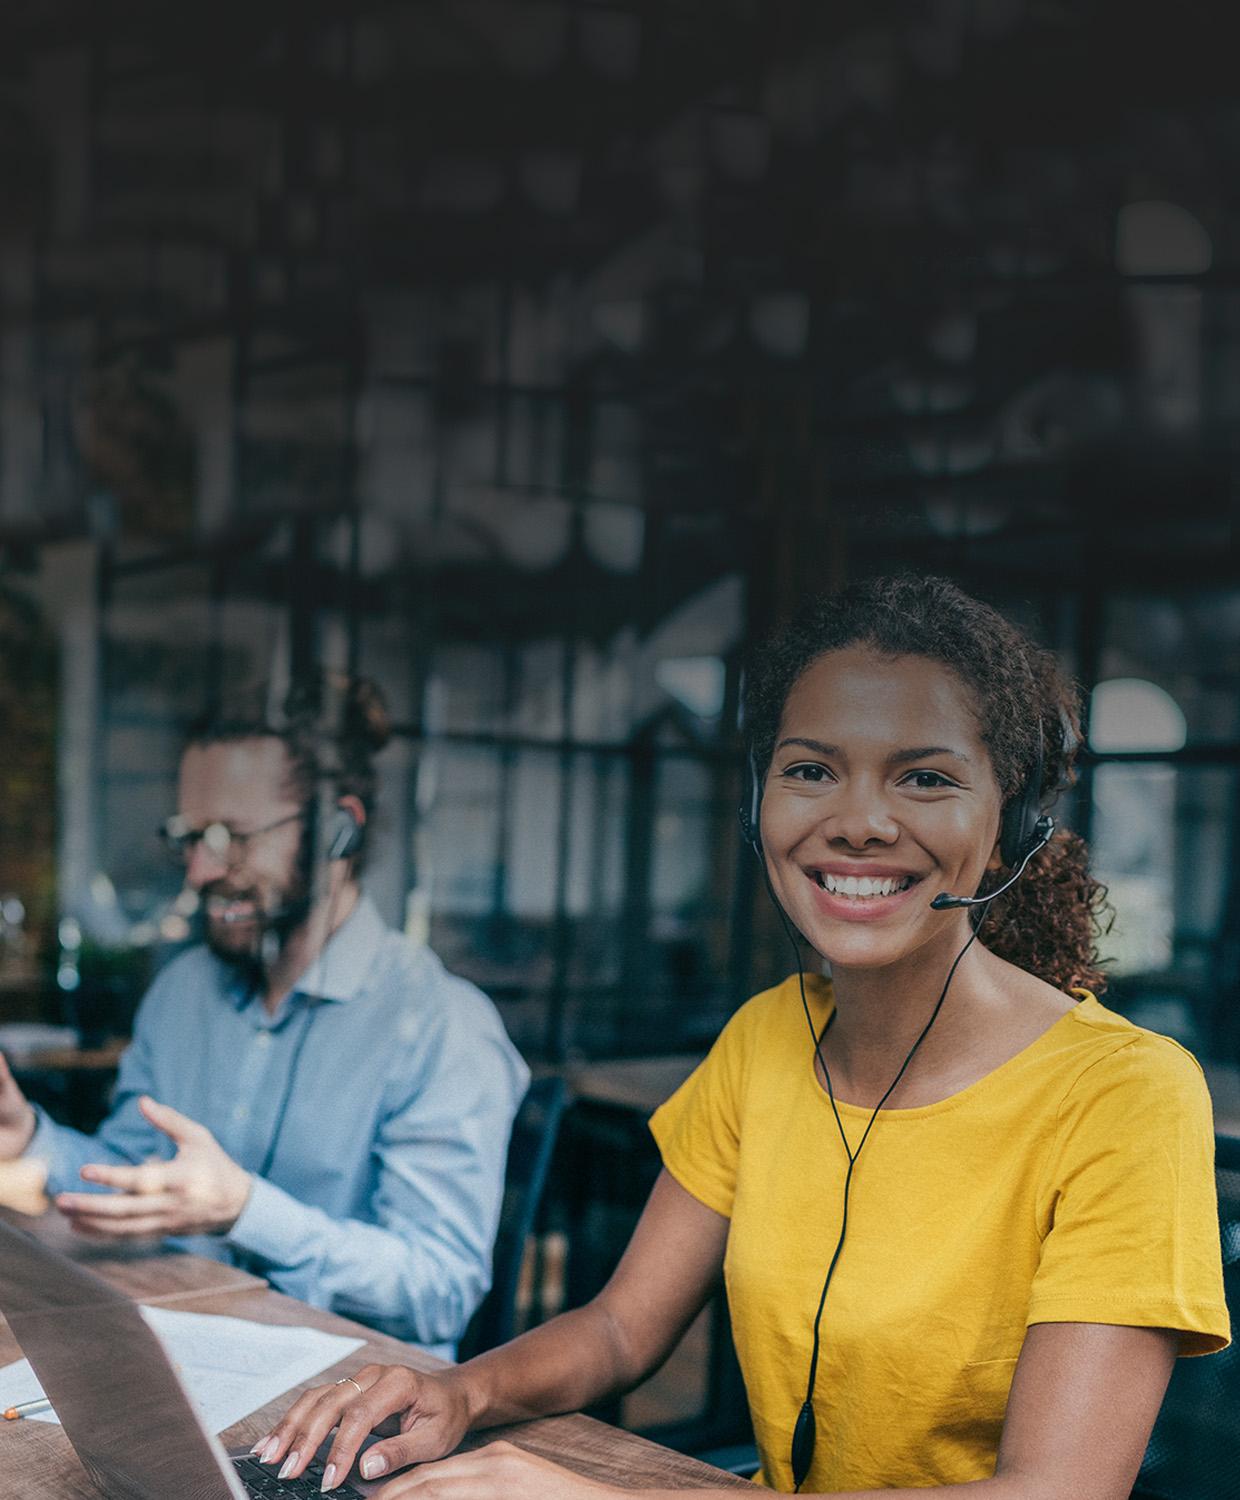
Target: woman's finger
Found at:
340, 1405
306, 1415
395, 1390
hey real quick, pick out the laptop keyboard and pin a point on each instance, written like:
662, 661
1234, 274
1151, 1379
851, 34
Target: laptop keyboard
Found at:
262, 1483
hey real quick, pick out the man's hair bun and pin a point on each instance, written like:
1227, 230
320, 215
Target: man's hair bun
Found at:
366, 717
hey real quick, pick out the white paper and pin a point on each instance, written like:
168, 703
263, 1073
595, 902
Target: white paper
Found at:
229, 1366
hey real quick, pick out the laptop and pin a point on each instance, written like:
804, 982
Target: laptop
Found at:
118, 1397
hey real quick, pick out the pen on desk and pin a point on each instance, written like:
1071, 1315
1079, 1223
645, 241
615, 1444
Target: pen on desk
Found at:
27, 1409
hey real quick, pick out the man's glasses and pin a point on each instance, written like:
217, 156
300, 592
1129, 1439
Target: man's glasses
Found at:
226, 844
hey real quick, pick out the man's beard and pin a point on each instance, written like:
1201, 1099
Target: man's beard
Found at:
252, 942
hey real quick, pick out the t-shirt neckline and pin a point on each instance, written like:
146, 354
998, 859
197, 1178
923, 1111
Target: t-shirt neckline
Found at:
952, 1101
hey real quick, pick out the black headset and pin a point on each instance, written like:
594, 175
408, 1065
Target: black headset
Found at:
341, 834
344, 835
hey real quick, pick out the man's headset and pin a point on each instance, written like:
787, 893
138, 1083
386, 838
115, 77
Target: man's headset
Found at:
344, 835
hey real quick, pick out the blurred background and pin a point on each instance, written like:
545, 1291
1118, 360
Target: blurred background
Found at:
531, 357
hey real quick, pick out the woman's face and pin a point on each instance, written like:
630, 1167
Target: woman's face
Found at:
879, 795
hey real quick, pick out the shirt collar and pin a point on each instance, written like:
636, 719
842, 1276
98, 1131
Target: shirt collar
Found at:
339, 971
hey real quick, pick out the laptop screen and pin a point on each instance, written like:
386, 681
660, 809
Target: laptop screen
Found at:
107, 1376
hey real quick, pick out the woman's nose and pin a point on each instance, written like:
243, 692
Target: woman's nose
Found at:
860, 815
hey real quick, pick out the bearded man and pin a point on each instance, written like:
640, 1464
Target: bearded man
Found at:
308, 1093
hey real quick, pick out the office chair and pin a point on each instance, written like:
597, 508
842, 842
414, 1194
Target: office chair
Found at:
1193, 1449
530, 1150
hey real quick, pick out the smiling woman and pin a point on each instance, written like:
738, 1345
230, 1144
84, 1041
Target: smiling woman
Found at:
951, 659
966, 1218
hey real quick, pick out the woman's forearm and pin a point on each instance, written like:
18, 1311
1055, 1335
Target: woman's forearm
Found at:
571, 1362
662, 1282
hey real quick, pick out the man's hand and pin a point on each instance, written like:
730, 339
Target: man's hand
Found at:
200, 1191
17, 1118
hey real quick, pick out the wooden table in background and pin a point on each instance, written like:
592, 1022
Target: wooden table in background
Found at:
697, 1399
637, 1083
1224, 1083
102, 1059
38, 1462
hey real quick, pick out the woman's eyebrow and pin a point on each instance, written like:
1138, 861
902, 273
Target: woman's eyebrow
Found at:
896, 758
816, 745
923, 752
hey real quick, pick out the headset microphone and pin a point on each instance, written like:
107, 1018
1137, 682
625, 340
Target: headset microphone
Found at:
1042, 831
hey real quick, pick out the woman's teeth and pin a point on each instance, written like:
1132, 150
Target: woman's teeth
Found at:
863, 885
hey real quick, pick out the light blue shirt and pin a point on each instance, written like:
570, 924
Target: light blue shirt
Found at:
383, 1196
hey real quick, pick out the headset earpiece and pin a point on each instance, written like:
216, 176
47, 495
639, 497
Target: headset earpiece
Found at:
750, 810
1022, 817
343, 834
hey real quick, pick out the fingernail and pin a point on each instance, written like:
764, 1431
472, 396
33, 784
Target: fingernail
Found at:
329, 1477
269, 1452
289, 1464
260, 1445
373, 1465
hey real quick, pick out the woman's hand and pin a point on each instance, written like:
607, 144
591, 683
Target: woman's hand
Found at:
434, 1417
498, 1469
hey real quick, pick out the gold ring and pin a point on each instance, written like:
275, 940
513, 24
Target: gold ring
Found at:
349, 1380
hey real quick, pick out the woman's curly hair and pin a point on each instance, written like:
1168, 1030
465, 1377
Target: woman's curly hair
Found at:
1051, 919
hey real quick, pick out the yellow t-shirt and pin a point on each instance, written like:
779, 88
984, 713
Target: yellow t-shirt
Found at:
1072, 1184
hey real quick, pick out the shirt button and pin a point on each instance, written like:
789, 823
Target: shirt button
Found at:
263, 1039
241, 1112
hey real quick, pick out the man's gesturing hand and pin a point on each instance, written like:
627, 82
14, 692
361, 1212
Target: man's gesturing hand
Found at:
200, 1191
17, 1119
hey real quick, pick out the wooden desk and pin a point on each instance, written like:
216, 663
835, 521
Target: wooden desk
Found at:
609, 1163
75, 1083
39, 1463
637, 1083
1224, 1082
103, 1059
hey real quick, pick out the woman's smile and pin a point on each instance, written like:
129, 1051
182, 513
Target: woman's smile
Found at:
862, 893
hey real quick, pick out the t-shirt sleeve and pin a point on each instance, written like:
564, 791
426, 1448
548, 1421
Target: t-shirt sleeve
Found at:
698, 1129
1128, 1203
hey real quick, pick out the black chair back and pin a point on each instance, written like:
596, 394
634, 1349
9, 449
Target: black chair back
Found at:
1194, 1452
530, 1151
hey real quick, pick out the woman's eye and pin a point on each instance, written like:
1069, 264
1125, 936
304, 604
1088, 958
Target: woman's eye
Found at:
928, 781
807, 772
